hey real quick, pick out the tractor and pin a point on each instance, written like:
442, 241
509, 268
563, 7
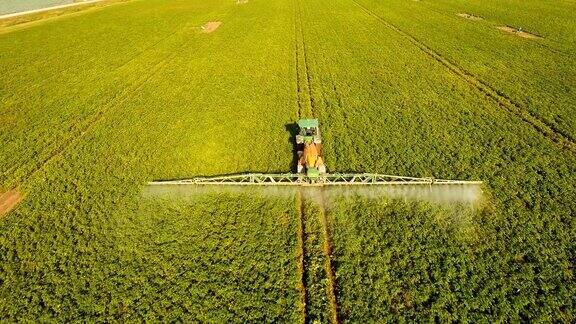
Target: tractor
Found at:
309, 143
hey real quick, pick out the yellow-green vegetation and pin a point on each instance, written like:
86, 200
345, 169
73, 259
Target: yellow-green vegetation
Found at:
209, 259
95, 104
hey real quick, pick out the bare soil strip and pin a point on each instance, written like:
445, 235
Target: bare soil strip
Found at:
210, 26
11, 24
9, 200
17, 14
469, 16
327, 247
518, 32
542, 126
301, 251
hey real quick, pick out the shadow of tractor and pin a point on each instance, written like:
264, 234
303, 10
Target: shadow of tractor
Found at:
293, 130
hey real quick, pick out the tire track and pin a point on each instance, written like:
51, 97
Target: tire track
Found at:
299, 99
545, 128
328, 248
306, 99
301, 252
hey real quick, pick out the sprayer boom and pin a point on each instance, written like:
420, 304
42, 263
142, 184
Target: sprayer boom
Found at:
290, 179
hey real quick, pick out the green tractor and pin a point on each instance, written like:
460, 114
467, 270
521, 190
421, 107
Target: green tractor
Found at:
309, 143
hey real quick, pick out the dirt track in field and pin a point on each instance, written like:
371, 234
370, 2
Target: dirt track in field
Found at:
518, 33
469, 16
328, 249
301, 252
211, 26
10, 23
22, 13
303, 81
9, 200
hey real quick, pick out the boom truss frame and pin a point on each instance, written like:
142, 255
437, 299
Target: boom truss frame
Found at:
291, 179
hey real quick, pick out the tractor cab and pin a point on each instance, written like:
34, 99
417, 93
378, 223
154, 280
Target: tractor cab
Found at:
309, 132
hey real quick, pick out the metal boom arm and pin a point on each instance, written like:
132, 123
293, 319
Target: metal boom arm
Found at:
290, 179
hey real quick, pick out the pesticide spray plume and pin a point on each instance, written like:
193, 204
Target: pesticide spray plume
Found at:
191, 191
466, 194
443, 194
460, 203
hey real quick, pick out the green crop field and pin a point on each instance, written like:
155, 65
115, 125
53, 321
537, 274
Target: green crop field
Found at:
97, 101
